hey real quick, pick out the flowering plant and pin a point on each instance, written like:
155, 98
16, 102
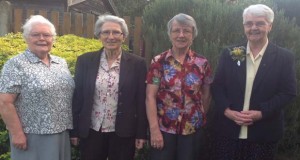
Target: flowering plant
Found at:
238, 54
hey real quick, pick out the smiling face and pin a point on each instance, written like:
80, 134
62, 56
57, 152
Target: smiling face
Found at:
111, 36
181, 36
40, 39
256, 29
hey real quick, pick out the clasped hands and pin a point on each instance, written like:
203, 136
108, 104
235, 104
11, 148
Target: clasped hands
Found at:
243, 118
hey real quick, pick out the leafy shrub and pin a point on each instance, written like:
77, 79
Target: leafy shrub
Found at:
67, 46
291, 8
4, 142
11, 44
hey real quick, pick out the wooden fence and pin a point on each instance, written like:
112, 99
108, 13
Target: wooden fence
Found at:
80, 24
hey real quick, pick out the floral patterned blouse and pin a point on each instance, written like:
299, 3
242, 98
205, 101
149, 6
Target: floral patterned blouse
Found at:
104, 110
44, 93
179, 105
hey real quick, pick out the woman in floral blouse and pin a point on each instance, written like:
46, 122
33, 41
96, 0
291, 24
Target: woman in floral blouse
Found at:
36, 91
178, 94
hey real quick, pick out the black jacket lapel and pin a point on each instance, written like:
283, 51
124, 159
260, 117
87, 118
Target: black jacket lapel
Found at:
93, 69
265, 65
124, 68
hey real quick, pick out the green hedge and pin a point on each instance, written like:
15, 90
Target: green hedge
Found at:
67, 46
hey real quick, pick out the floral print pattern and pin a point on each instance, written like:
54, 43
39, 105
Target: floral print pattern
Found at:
44, 92
106, 96
179, 105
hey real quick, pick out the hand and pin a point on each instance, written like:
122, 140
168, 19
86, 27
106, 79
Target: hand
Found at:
156, 138
139, 143
74, 141
19, 140
239, 118
254, 115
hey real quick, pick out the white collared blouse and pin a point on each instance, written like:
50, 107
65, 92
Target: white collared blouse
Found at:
106, 95
44, 92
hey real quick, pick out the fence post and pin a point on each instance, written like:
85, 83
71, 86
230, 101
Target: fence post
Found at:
128, 22
78, 24
148, 49
66, 27
5, 17
137, 42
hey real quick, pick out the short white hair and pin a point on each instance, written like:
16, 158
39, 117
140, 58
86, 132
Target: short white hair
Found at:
184, 19
110, 18
259, 10
36, 19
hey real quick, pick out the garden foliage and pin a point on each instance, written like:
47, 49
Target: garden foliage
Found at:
291, 8
67, 46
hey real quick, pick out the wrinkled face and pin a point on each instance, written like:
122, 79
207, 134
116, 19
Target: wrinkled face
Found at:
256, 29
111, 36
181, 36
40, 39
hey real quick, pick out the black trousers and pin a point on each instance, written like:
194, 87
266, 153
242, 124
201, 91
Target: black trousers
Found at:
179, 147
242, 149
100, 146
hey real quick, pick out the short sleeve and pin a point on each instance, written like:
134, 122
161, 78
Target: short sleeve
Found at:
154, 74
10, 78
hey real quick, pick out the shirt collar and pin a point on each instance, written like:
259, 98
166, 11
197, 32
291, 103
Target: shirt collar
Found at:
189, 54
261, 52
35, 59
103, 60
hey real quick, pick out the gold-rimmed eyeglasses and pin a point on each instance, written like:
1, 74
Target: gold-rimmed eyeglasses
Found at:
114, 33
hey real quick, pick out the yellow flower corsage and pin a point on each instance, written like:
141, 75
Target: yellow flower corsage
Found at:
238, 54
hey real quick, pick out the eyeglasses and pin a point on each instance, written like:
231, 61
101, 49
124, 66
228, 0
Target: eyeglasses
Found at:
114, 33
44, 35
249, 24
183, 31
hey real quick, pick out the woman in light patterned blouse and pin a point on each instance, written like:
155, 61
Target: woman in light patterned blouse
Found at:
109, 98
36, 89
